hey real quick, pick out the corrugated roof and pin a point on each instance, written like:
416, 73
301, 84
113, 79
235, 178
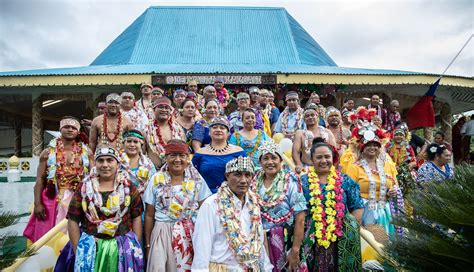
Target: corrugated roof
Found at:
206, 69
214, 35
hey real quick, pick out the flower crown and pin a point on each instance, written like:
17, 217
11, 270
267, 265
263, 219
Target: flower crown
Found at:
366, 131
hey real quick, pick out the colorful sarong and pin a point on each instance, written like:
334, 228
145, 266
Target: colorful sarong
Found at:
277, 248
342, 255
183, 244
122, 253
36, 228
379, 216
65, 196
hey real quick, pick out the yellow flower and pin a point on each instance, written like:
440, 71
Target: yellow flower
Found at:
188, 185
319, 234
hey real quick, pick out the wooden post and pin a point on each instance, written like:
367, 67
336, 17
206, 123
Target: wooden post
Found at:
446, 119
17, 126
96, 98
37, 125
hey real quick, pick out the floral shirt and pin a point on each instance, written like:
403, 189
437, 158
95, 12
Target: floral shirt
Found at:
235, 120
429, 172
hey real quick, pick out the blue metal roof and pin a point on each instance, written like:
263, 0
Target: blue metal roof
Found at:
214, 35
212, 40
206, 69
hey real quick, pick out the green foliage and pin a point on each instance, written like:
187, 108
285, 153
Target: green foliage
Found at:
440, 236
9, 242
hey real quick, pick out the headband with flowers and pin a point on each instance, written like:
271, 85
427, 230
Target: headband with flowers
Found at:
365, 131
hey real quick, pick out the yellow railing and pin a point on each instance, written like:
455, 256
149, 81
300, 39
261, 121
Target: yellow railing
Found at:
38, 244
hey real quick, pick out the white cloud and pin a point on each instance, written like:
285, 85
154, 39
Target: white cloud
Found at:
410, 35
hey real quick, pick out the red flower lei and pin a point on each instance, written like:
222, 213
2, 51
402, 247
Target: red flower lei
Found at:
117, 132
73, 169
158, 131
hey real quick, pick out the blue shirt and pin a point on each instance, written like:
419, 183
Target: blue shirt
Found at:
274, 114
212, 167
294, 198
201, 132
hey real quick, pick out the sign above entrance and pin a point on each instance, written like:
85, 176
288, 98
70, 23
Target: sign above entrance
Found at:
209, 79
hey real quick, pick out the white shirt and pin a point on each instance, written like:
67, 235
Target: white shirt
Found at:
468, 128
210, 243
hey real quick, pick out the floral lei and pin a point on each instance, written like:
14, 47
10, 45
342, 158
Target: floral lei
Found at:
246, 250
157, 144
250, 153
284, 119
117, 133
327, 217
372, 185
273, 196
57, 164
190, 186
400, 153
143, 163
92, 198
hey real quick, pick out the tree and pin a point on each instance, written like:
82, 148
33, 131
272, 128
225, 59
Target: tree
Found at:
440, 236
8, 254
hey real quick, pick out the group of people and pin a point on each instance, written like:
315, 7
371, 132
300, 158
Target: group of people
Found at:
176, 185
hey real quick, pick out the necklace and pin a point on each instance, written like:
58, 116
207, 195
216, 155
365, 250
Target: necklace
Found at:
248, 144
175, 206
117, 132
92, 198
221, 150
63, 174
327, 216
372, 184
273, 196
246, 249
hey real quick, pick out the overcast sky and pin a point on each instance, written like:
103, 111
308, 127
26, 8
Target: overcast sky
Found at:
411, 35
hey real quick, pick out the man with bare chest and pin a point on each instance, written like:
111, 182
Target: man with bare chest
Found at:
303, 140
107, 129
341, 134
61, 168
162, 129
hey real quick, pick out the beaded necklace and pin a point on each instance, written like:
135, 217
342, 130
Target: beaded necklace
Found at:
372, 184
246, 250
106, 140
157, 144
92, 198
273, 196
221, 150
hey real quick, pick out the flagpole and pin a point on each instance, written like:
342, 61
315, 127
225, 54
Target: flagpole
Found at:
455, 57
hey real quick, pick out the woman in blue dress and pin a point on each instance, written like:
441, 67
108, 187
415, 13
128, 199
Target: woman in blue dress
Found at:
210, 160
250, 138
200, 133
436, 168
